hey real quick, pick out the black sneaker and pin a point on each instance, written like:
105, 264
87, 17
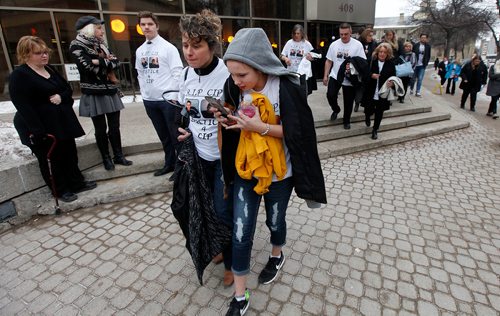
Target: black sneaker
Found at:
237, 308
271, 269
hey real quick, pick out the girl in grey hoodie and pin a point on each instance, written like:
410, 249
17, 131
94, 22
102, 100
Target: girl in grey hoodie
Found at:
254, 68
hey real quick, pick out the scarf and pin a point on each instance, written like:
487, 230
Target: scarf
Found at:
95, 44
261, 156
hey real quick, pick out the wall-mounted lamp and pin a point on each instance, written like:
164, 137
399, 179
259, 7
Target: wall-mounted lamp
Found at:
117, 26
139, 30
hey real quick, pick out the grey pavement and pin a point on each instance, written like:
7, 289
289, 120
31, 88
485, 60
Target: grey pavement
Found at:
409, 229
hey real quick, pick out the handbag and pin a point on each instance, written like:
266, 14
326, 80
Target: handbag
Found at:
404, 70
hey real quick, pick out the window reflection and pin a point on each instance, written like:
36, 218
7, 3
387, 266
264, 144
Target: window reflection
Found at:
229, 28
125, 43
278, 9
60, 4
163, 6
220, 7
16, 24
271, 28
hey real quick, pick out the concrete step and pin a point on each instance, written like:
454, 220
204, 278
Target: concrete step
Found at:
135, 185
144, 162
386, 137
110, 190
396, 110
327, 133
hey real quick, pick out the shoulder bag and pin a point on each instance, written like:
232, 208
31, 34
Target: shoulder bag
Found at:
404, 69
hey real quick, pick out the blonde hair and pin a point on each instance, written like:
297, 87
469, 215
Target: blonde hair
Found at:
387, 46
27, 45
394, 41
408, 44
88, 30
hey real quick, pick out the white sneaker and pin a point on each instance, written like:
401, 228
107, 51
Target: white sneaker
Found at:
495, 116
418, 95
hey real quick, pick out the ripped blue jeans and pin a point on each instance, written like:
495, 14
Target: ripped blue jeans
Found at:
245, 210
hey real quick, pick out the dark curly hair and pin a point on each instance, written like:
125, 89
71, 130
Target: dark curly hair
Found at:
205, 25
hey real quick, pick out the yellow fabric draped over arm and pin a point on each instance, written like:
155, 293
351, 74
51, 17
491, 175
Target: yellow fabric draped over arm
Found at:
261, 156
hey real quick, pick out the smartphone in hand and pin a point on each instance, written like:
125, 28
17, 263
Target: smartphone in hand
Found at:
217, 104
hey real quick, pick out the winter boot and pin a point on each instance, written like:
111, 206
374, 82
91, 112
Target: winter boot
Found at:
102, 144
116, 145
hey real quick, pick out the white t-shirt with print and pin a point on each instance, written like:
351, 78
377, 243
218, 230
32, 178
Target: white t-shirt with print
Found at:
295, 51
272, 91
421, 52
339, 51
158, 66
203, 125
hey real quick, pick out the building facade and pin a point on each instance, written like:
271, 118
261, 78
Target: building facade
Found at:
54, 22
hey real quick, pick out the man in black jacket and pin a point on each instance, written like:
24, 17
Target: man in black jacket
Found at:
423, 52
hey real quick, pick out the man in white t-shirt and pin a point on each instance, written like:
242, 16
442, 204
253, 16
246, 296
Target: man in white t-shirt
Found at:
159, 68
338, 51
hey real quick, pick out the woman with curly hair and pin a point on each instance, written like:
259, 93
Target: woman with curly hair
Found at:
205, 76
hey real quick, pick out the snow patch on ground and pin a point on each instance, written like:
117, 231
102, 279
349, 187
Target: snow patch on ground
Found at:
8, 107
11, 148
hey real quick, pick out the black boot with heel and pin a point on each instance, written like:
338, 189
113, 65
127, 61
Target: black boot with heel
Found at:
116, 145
102, 144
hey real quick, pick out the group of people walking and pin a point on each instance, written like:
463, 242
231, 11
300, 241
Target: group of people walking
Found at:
366, 72
474, 75
245, 155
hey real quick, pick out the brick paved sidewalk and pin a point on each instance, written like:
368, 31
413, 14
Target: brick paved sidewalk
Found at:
409, 229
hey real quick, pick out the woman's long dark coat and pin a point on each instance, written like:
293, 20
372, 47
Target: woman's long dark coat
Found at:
193, 207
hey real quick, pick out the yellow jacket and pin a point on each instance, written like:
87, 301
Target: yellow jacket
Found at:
261, 156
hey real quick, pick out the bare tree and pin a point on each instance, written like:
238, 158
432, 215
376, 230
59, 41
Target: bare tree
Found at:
490, 19
455, 17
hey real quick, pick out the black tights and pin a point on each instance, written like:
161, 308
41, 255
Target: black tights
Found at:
113, 121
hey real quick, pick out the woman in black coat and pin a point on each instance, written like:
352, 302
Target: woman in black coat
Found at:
369, 44
43, 101
474, 75
381, 68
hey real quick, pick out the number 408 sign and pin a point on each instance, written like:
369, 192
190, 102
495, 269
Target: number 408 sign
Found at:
346, 7
351, 11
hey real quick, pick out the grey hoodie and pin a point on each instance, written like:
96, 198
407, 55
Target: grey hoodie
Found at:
252, 47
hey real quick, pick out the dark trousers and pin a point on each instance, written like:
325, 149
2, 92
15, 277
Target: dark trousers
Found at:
64, 160
163, 116
377, 109
493, 104
443, 79
406, 82
332, 94
451, 81
107, 131
465, 95
223, 207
